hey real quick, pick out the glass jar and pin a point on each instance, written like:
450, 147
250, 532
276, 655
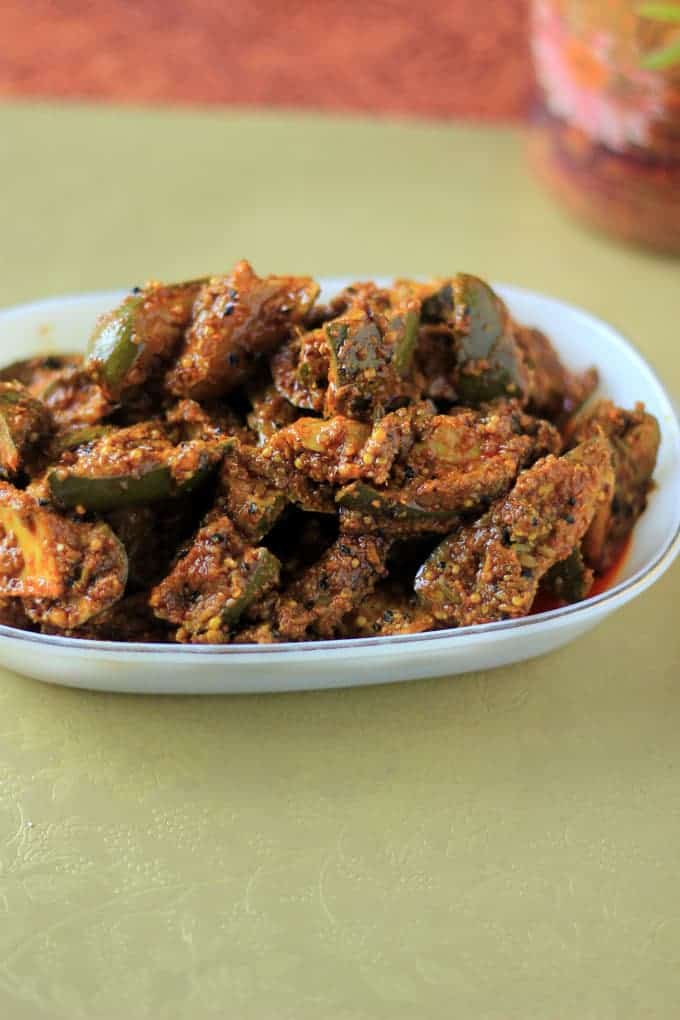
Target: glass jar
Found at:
607, 134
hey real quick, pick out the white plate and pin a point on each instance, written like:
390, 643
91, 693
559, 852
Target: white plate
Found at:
63, 324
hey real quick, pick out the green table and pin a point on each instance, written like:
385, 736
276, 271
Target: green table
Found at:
502, 845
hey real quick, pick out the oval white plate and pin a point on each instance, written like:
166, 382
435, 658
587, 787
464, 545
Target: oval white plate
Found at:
63, 324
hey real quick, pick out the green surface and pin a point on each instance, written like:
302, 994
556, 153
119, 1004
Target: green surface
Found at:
501, 846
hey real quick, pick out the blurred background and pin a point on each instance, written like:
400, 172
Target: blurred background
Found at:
606, 106
394, 56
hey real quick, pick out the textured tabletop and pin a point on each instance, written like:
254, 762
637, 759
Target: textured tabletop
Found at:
501, 845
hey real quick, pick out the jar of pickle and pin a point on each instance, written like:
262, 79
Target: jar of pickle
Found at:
607, 134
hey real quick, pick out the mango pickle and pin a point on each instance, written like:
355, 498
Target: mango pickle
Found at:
241, 459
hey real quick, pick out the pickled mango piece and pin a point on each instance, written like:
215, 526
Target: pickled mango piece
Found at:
132, 341
66, 572
237, 319
24, 421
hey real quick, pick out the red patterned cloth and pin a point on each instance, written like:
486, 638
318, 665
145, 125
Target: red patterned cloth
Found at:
437, 58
